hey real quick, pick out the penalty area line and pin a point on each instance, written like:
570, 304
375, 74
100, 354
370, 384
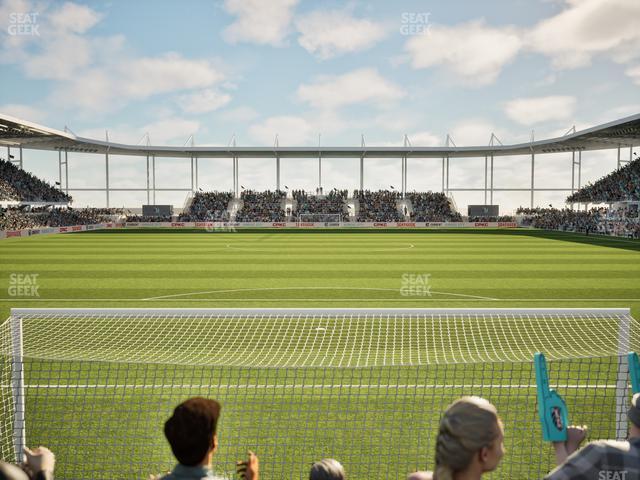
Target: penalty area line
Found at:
295, 299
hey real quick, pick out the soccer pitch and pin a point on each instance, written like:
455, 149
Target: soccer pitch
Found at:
302, 414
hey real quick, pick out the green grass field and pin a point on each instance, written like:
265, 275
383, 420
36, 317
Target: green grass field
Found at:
379, 421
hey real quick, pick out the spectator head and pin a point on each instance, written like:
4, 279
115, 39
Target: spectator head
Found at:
191, 430
634, 416
327, 469
470, 437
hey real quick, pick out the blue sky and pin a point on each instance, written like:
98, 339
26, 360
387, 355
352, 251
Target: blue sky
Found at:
299, 68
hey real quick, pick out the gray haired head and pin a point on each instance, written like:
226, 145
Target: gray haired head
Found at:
327, 469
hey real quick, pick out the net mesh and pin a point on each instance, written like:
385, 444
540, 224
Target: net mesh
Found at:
320, 217
365, 387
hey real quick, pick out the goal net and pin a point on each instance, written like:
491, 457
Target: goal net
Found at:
330, 219
365, 386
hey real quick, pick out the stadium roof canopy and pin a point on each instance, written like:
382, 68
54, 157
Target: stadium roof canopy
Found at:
14, 132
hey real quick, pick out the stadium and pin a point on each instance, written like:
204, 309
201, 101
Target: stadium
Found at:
213, 230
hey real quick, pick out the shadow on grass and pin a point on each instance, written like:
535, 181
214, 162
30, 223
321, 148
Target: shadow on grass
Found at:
595, 240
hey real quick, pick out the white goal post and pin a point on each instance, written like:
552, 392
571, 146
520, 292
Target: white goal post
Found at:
364, 385
330, 219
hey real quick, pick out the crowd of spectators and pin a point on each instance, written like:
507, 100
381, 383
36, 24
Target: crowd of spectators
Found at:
19, 185
208, 206
261, 206
24, 216
499, 218
148, 218
593, 221
335, 203
380, 206
620, 185
432, 207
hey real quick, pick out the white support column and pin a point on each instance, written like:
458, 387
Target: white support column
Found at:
66, 171
618, 164
148, 192
580, 168
362, 145
442, 174
491, 177
406, 174
319, 171
153, 170
106, 174
17, 387
533, 175
60, 169
573, 171
485, 179
9, 154
402, 177
191, 173
21, 166
447, 175
236, 176
278, 172
197, 182
630, 155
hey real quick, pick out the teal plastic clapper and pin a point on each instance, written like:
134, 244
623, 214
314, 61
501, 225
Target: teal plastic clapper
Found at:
634, 372
551, 407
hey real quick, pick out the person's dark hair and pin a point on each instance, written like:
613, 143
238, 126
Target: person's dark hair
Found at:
191, 428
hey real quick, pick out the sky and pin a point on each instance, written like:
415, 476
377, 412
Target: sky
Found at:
323, 72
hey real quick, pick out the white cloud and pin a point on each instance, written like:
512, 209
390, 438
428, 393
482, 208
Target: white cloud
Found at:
291, 130
327, 34
529, 111
296, 130
473, 51
258, 21
61, 57
74, 18
634, 73
240, 114
358, 86
587, 28
95, 73
23, 112
137, 79
142, 77
203, 101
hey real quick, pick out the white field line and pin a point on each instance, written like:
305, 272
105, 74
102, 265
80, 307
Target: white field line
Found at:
297, 386
386, 249
289, 299
308, 288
